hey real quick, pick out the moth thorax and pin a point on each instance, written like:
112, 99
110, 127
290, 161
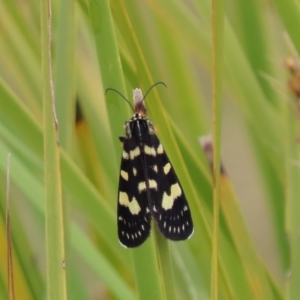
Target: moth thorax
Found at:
138, 100
139, 130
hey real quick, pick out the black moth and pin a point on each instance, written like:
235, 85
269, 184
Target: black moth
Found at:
148, 186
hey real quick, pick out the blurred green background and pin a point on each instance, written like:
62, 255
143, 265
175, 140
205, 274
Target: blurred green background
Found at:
127, 44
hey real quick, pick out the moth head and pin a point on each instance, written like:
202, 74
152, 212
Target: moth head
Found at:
139, 99
139, 103
139, 108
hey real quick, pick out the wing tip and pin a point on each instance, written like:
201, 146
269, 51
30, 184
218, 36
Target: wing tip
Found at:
193, 230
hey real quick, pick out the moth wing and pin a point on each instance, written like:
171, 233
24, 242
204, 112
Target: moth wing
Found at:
134, 218
169, 206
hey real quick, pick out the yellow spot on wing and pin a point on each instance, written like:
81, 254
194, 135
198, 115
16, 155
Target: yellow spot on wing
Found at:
132, 205
134, 153
160, 149
142, 185
167, 168
150, 150
152, 184
125, 155
168, 201
124, 175
123, 199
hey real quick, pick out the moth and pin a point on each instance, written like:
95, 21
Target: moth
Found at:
148, 185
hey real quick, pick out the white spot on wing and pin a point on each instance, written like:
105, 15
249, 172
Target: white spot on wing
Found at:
155, 168
168, 201
134, 171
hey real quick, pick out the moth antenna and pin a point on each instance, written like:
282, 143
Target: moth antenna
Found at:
114, 90
151, 87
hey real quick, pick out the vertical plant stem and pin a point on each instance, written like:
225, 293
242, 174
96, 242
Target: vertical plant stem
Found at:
55, 251
217, 46
292, 201
165, 265
10, 269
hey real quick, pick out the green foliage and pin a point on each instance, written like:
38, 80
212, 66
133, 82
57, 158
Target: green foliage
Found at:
123, 45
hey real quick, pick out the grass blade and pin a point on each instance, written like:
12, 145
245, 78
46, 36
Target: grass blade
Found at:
55, 251
217, 42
